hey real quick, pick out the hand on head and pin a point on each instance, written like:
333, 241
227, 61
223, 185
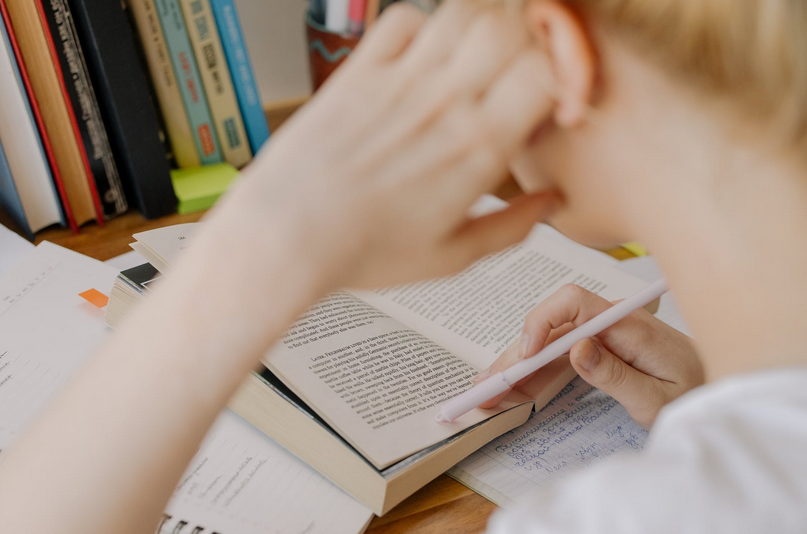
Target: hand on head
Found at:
378, 171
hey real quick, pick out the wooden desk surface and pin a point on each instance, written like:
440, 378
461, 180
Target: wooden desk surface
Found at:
443, 506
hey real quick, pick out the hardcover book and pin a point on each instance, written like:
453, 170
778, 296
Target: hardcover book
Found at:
128, 111
28, 166
217, 81
190, 84
235, 49
147, 21
29, 34
70, 58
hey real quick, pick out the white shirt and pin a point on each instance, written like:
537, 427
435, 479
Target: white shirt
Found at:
729, 457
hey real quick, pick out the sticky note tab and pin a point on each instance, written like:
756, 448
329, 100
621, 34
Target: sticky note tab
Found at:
95, 297
198, 188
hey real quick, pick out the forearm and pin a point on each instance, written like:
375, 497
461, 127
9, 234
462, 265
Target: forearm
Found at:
107, 454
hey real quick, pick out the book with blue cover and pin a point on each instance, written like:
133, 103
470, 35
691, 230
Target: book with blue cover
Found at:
246, 90
190, 83
9, 197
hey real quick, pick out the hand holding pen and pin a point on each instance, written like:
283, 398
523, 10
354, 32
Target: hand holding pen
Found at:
639, 360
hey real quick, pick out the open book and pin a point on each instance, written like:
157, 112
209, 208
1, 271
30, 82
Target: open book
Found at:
354, 385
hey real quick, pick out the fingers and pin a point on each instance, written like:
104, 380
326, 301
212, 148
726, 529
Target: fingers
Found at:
640, 394
499, 230
391, 35
491, 42
435, 44
570, 304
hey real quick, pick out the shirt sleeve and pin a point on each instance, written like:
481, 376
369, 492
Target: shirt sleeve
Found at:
727, 457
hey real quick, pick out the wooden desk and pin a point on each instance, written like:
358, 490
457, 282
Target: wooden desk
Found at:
443, 506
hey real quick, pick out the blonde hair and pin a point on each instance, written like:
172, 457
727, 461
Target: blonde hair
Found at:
751, 52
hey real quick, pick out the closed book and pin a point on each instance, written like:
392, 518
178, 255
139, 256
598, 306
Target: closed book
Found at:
164, 81
70, 169
69, 56
235, 49
217, 81
24, 152
190, 84
126, 105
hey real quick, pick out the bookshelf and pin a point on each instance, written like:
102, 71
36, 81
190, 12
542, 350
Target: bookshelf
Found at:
112, 239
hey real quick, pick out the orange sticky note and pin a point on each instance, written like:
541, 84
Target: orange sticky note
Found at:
95, 297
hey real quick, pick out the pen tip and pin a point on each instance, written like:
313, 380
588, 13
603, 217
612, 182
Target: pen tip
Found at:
439, 418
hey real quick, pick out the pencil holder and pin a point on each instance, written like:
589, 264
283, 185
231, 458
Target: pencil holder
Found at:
326, 50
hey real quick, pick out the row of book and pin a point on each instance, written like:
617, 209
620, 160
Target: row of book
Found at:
101, 99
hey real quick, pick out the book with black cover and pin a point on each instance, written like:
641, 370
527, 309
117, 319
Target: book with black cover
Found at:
70, 56
126, 104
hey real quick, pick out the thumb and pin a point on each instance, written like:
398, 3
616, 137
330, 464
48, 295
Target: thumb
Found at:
604, 370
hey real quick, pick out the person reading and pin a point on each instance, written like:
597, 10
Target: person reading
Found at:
678, 123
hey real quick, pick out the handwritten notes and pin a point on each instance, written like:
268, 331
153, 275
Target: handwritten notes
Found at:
580, 427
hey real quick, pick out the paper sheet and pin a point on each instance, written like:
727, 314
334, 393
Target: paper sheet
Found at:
240, 481
13, 249
581, 426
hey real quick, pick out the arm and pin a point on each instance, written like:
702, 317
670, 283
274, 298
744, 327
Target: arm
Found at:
408, 133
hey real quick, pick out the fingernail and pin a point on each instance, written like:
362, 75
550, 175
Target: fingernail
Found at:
588, 356
482, 376
524, 346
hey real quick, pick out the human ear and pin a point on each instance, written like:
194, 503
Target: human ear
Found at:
567, 43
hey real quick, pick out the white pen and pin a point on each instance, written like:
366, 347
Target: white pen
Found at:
504, 380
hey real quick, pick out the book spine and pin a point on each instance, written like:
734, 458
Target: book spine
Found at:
10, 201
98, 152
37, 116
246, 90
217, 81
71, 113
27, 159
187, 75
177, 123
32, 40
126, 104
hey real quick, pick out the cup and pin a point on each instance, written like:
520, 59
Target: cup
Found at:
326, 50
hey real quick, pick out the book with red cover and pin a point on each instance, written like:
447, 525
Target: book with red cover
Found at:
58, 19
99, 211
54, 169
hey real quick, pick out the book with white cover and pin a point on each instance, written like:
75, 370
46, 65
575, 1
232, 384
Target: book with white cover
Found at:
22, 145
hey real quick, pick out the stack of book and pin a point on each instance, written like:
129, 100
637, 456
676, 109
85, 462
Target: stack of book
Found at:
100, 101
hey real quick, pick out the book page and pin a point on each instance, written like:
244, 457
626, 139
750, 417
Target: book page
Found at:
373, 379
242, 481
481, 311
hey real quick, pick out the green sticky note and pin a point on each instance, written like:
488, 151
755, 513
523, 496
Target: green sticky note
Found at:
198, 188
